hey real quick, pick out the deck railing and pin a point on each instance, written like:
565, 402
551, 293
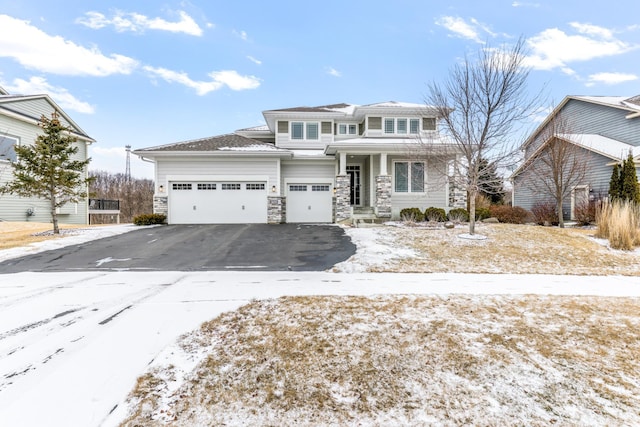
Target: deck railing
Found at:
104, 205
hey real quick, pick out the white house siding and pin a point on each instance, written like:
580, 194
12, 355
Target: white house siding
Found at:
306, 171
597, 179
13, 208
436, 188
216, 167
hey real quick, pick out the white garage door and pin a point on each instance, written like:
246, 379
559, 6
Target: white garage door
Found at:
309, 203
217, 202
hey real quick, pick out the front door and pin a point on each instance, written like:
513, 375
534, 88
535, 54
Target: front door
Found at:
354, 177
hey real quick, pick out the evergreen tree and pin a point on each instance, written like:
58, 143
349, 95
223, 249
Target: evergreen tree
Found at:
629, 190
47, 168
490, 184
614, 183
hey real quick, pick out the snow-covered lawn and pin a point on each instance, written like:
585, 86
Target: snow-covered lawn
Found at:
73, 344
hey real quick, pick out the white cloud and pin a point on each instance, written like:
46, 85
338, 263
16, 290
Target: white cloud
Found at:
462, 28
610, 78
241, 34
138, 23
524, 4
553, 48
333, 72
39, 85
35, 49
254, 60
229, 78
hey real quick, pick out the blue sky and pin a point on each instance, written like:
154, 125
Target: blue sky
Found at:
146, 73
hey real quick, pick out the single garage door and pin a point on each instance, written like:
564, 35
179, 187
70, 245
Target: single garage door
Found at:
309, 203
217, 202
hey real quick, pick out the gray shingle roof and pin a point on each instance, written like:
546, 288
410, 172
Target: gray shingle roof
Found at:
320, 109
228, 142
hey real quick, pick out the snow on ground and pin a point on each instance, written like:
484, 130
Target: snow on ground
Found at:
73, 344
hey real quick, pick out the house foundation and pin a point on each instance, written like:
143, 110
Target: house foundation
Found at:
276, 209
383, 196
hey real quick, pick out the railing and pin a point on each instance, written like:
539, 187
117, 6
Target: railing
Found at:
104, 205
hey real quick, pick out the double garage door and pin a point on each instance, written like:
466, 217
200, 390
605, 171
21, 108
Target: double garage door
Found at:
217, 202
243, 202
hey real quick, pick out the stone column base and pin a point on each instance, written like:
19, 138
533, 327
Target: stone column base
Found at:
342, 202
276, 209
383, 196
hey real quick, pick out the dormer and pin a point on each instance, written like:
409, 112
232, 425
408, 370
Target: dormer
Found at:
397, 120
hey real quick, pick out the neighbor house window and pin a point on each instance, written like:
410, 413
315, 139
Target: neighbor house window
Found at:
6, 148
305, 130
409, 177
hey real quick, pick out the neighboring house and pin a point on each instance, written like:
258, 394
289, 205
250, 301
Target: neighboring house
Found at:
604, 128
19, 117
309, 164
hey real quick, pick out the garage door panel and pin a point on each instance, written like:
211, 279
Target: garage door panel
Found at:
218, 203
309, 202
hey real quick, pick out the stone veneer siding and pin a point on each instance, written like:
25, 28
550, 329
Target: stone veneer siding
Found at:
383, 196
276, 209
457, 196
160, 205
342, 198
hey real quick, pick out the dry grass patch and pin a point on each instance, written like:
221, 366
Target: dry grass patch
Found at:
511, 249
407, 360
16, 234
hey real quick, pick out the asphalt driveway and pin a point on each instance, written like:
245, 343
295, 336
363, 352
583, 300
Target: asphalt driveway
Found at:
221, 247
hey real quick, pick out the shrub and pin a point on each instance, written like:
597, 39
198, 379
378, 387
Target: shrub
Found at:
482, 213
618, 222
544, 213
585, 213
435, 214
412, 215
150, 219
509, 214
458, 215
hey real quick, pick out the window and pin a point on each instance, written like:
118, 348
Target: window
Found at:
409, 177
6, 148
255, 187
206, 186
181, 186
402, 126
233, 186
296, 187
414, 126
347, 129
428, 123
305, 130
389, 126
320, 188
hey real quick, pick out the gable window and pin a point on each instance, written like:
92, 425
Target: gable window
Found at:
6, 148
347, 129
414, 126
408, 177
389, 126
305, 130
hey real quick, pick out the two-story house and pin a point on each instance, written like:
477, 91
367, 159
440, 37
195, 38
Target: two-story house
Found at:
309, 164
604, 130
19, 118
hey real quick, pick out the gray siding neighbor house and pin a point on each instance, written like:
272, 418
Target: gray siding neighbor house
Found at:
604, 130
309, 165
19, 117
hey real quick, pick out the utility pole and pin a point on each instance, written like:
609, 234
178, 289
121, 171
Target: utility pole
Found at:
127, 171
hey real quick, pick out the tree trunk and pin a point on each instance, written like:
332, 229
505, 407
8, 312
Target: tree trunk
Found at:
559, 211
472, 211
54, 215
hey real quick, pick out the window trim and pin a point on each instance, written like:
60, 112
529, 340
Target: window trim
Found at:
305, 130
347, 129
409, 124
409, 177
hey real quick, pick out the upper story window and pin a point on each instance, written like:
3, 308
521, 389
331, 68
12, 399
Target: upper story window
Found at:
347, 129
305, 130
401, 126
6, 148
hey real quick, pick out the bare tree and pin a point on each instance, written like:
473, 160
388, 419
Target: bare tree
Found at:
135, 195
480, 105
558, 165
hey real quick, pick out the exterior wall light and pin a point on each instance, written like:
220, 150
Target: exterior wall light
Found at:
335, 190
161, 189
273, 188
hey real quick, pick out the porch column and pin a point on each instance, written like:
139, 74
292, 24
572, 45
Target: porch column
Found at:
383, 196
342, 197
343, 164
383, 164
